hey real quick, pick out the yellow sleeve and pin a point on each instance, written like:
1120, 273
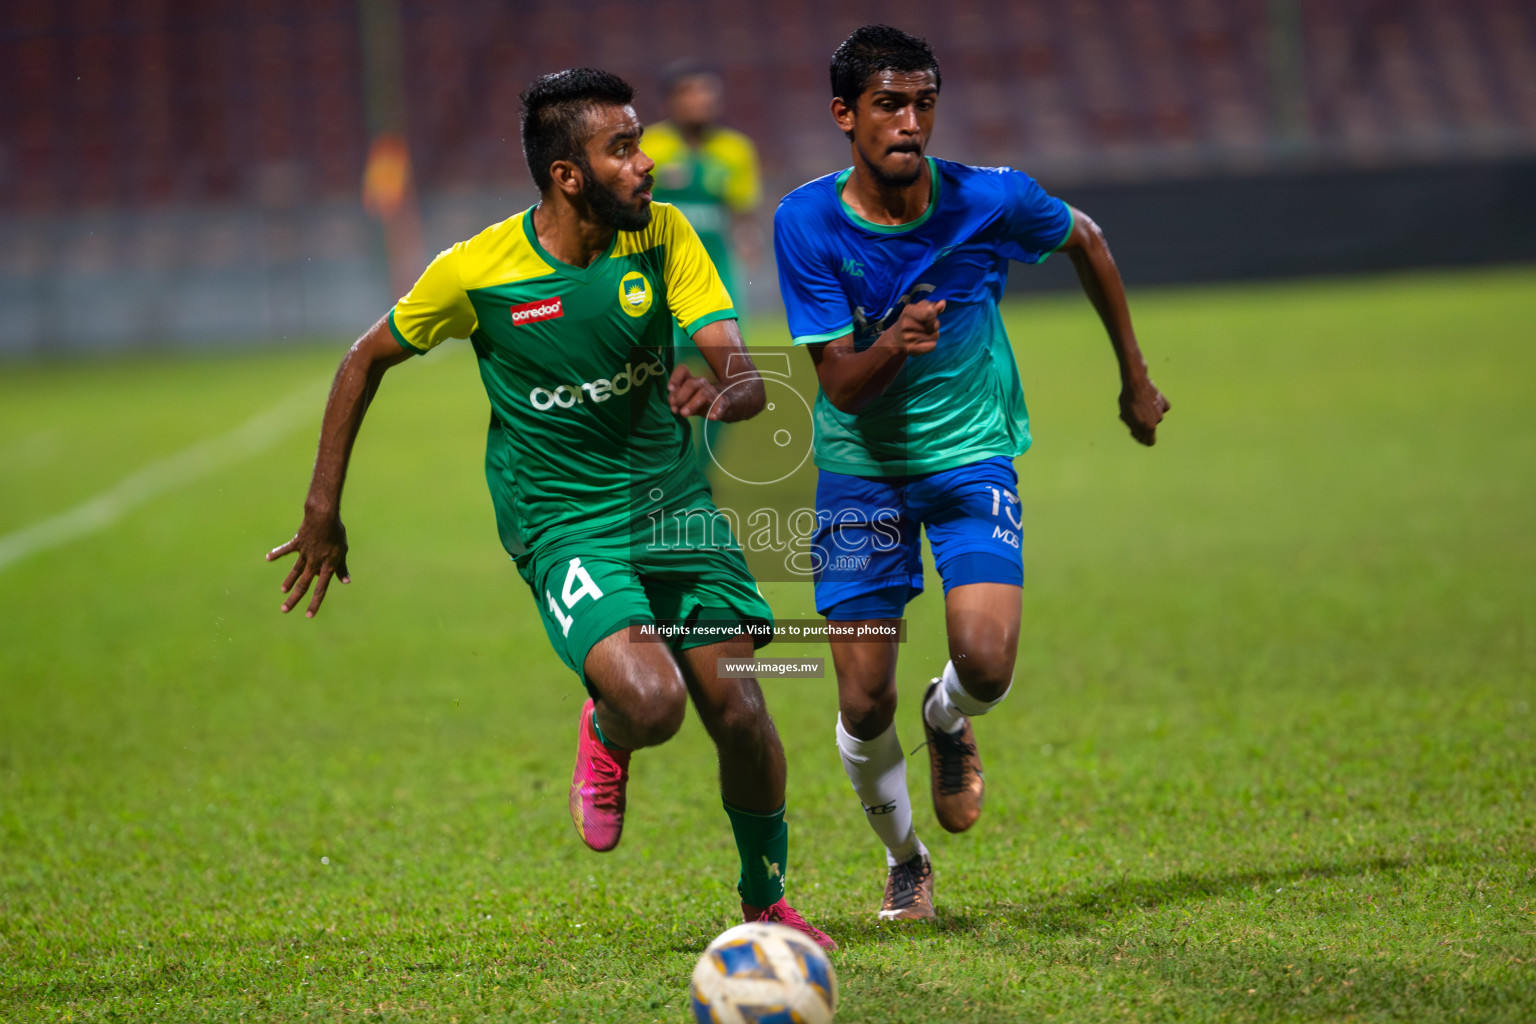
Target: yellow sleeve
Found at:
743, 186
695, 292
436, 308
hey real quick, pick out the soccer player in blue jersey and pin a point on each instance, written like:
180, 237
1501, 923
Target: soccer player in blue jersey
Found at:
891, 273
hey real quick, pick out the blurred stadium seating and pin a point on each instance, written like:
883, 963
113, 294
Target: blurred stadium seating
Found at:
183, 172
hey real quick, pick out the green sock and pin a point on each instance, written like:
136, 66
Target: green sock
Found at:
763, 842
600, 737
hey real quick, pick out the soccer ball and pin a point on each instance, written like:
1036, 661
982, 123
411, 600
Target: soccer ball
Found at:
765, 973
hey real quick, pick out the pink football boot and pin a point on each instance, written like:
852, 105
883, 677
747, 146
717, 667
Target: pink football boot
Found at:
597, 787
782, 913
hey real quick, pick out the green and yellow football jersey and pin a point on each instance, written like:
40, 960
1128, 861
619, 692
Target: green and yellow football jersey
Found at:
707, 183
576, 362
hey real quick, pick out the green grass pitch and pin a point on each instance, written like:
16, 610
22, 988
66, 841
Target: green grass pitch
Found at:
1269, 755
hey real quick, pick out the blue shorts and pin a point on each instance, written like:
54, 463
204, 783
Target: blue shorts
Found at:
868, 551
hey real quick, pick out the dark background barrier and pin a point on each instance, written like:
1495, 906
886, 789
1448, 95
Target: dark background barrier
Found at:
188, 174
1287, 225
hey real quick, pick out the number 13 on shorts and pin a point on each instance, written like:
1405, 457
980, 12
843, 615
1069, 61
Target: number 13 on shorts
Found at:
578, 584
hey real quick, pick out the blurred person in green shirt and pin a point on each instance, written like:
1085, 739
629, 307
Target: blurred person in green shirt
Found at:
710, 173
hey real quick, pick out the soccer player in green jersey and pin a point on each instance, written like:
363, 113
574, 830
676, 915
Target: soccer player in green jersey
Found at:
917, 427
570, 307
710, 173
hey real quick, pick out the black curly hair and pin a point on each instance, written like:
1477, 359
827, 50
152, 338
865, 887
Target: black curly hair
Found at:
554, 115
875, 48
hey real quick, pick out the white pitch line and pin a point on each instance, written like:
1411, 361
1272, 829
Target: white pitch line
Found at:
251, 438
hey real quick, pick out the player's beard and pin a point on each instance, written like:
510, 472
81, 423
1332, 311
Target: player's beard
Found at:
903, 179
611, 211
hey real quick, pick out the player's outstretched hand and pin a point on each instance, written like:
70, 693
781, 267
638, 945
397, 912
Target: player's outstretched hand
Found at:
321, 546
691, 395
916, 330
1142, 408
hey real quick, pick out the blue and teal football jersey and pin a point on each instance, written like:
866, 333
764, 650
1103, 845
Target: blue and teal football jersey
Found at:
841, 274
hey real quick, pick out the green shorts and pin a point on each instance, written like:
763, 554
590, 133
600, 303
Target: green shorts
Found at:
590, 586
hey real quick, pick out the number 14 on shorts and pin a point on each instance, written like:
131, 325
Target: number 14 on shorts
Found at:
578, 584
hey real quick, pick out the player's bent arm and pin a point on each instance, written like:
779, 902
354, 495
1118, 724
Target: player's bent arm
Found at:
357, 380
737, 391
321, 543
1141, 405
852, 379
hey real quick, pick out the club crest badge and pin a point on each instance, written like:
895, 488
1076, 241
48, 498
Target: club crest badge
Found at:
635, 294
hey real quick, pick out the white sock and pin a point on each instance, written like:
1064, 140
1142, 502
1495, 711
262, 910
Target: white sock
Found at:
878, 770
952, 705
